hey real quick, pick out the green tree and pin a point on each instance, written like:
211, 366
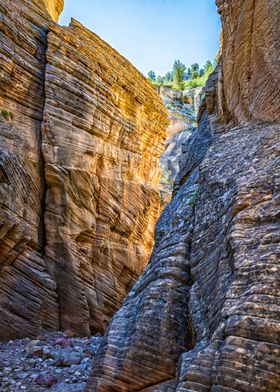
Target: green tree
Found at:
189, 74
195, 67
178, 75
201, 72
195, 71
207, 65
168, 77
152, 76
160, 80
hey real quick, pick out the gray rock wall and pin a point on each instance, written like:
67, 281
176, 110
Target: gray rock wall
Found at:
204, 316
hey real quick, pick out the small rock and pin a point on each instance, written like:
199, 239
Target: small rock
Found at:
68, 359
33, 348
46, 380
46, 351
22, 376
64, 342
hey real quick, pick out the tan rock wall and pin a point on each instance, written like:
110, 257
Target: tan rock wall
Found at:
103, 134
251, 69
79, 193
54, 8
28, 299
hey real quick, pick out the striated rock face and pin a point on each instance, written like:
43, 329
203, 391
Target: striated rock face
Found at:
103, 134
28, 298
204, 316
54, 8
182, 109
251, 59
81, 135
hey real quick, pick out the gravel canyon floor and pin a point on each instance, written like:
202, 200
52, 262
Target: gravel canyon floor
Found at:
56, 362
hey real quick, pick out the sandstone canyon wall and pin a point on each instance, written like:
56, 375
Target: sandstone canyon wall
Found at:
182, 107
28, 298
81, 135
54, 8
204, 316
103, 133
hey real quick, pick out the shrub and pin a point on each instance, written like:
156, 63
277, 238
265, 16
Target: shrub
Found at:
6, 114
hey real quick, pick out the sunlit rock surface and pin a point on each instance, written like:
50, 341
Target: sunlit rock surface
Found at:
204, 316
182, 107
54, 8
103, 133
28, 297
81, 135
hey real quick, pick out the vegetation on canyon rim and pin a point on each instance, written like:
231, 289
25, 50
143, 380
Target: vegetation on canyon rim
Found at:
182, 78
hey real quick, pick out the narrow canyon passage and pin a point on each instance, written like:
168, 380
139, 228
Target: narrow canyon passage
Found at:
204, 316
95, 157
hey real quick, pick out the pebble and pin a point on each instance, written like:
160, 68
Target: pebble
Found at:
54, 362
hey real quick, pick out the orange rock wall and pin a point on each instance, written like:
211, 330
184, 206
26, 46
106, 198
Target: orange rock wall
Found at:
28, 297
81, 135
103, 133
54, 8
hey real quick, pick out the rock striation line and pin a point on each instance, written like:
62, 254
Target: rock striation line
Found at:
103, 133
204, 316
81, 135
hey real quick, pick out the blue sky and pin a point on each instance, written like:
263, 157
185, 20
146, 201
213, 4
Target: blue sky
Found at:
152, 33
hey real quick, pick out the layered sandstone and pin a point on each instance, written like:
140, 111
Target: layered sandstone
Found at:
204, 316
103, 134
81, 135
54, 8
28, 298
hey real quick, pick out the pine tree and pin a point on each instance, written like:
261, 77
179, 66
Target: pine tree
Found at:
207, 65
168, 77
160, 80
178, 75
152, 76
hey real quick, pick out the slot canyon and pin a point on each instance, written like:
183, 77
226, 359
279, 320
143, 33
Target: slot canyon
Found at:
139, 225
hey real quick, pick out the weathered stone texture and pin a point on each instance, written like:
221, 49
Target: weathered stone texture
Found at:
81, 138
54, 8
182, 109
103, 133
28, 299
251, 69
204, 316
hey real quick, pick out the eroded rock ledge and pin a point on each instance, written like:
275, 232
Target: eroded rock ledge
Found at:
81, 135
204, 316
